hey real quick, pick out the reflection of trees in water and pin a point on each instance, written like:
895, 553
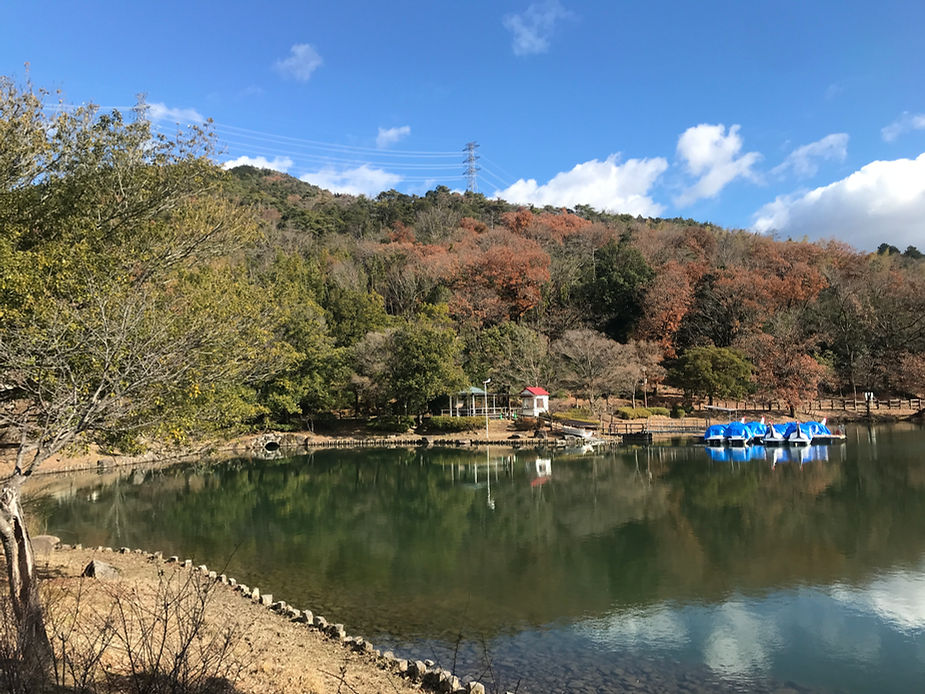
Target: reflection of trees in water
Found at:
404, 539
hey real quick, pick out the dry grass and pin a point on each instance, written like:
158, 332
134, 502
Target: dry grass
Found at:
162, 629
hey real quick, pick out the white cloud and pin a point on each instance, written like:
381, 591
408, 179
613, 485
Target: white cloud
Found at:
656, 626
742, 642
605, 185
803, 161
303, 60
390, 136
160, 111
713, 155
884, 201
362, 180
897, 598
533, 28
907, 122
281, 164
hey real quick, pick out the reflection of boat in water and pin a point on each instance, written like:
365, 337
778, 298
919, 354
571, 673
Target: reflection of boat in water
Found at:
799, 455
777, 454
736, 454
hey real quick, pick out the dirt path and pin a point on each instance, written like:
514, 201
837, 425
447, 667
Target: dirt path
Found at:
270, 653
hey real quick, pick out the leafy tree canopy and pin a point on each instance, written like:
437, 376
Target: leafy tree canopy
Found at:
712, 371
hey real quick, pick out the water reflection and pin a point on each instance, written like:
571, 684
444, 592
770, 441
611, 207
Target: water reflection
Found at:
776, 455
742, 567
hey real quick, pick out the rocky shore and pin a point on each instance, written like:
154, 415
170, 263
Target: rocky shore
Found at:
281, 648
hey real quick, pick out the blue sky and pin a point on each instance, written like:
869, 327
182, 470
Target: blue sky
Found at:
795, 117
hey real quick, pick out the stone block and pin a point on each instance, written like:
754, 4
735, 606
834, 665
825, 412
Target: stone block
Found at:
417, 669
43, 545
99, 569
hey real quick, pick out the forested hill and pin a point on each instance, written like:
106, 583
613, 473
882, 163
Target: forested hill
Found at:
147, 294
528, 295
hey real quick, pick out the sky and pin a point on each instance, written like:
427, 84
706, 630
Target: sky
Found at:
799, 118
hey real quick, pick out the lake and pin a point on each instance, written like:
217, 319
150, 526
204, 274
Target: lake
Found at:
660, 568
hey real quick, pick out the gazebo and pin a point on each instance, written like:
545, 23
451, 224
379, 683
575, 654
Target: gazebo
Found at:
535, 401
472, 401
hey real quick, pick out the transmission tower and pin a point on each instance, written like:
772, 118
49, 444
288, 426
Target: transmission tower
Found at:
472, 168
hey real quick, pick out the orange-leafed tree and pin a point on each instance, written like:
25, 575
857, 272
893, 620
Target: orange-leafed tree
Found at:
498, 279
664, 306
785, 369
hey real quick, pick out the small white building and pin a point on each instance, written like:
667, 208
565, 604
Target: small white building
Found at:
535, 401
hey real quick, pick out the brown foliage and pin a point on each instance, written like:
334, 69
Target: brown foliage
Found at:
499, 277
518, 221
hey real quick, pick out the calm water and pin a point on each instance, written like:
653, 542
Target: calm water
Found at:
647, 569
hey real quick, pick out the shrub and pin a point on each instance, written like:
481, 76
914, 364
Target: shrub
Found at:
633, 413
662, 411
391, 424
449, 424
678, 412
113, 637
578, 413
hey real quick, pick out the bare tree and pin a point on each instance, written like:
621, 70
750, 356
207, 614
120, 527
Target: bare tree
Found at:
589, 362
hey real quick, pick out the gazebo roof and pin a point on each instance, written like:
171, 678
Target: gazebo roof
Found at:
472, 390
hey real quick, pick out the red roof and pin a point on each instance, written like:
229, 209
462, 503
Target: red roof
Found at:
533, 390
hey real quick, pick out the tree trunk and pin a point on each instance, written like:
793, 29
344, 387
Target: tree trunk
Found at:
24, 595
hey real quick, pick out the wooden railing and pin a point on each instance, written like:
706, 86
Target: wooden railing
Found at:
616, 428
856, 405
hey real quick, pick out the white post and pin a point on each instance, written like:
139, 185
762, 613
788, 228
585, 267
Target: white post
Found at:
485, 390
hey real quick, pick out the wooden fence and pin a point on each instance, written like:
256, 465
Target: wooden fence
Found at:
617, 428
859, 405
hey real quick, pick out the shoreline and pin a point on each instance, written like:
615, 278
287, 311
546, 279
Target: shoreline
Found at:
285, 649
283, 444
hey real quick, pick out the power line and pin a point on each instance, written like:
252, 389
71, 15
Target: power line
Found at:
373, 151
337, 158
500, 182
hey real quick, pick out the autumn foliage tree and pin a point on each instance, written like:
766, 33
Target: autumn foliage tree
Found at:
500, 277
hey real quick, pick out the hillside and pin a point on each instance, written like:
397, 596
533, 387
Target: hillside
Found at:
510, 284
